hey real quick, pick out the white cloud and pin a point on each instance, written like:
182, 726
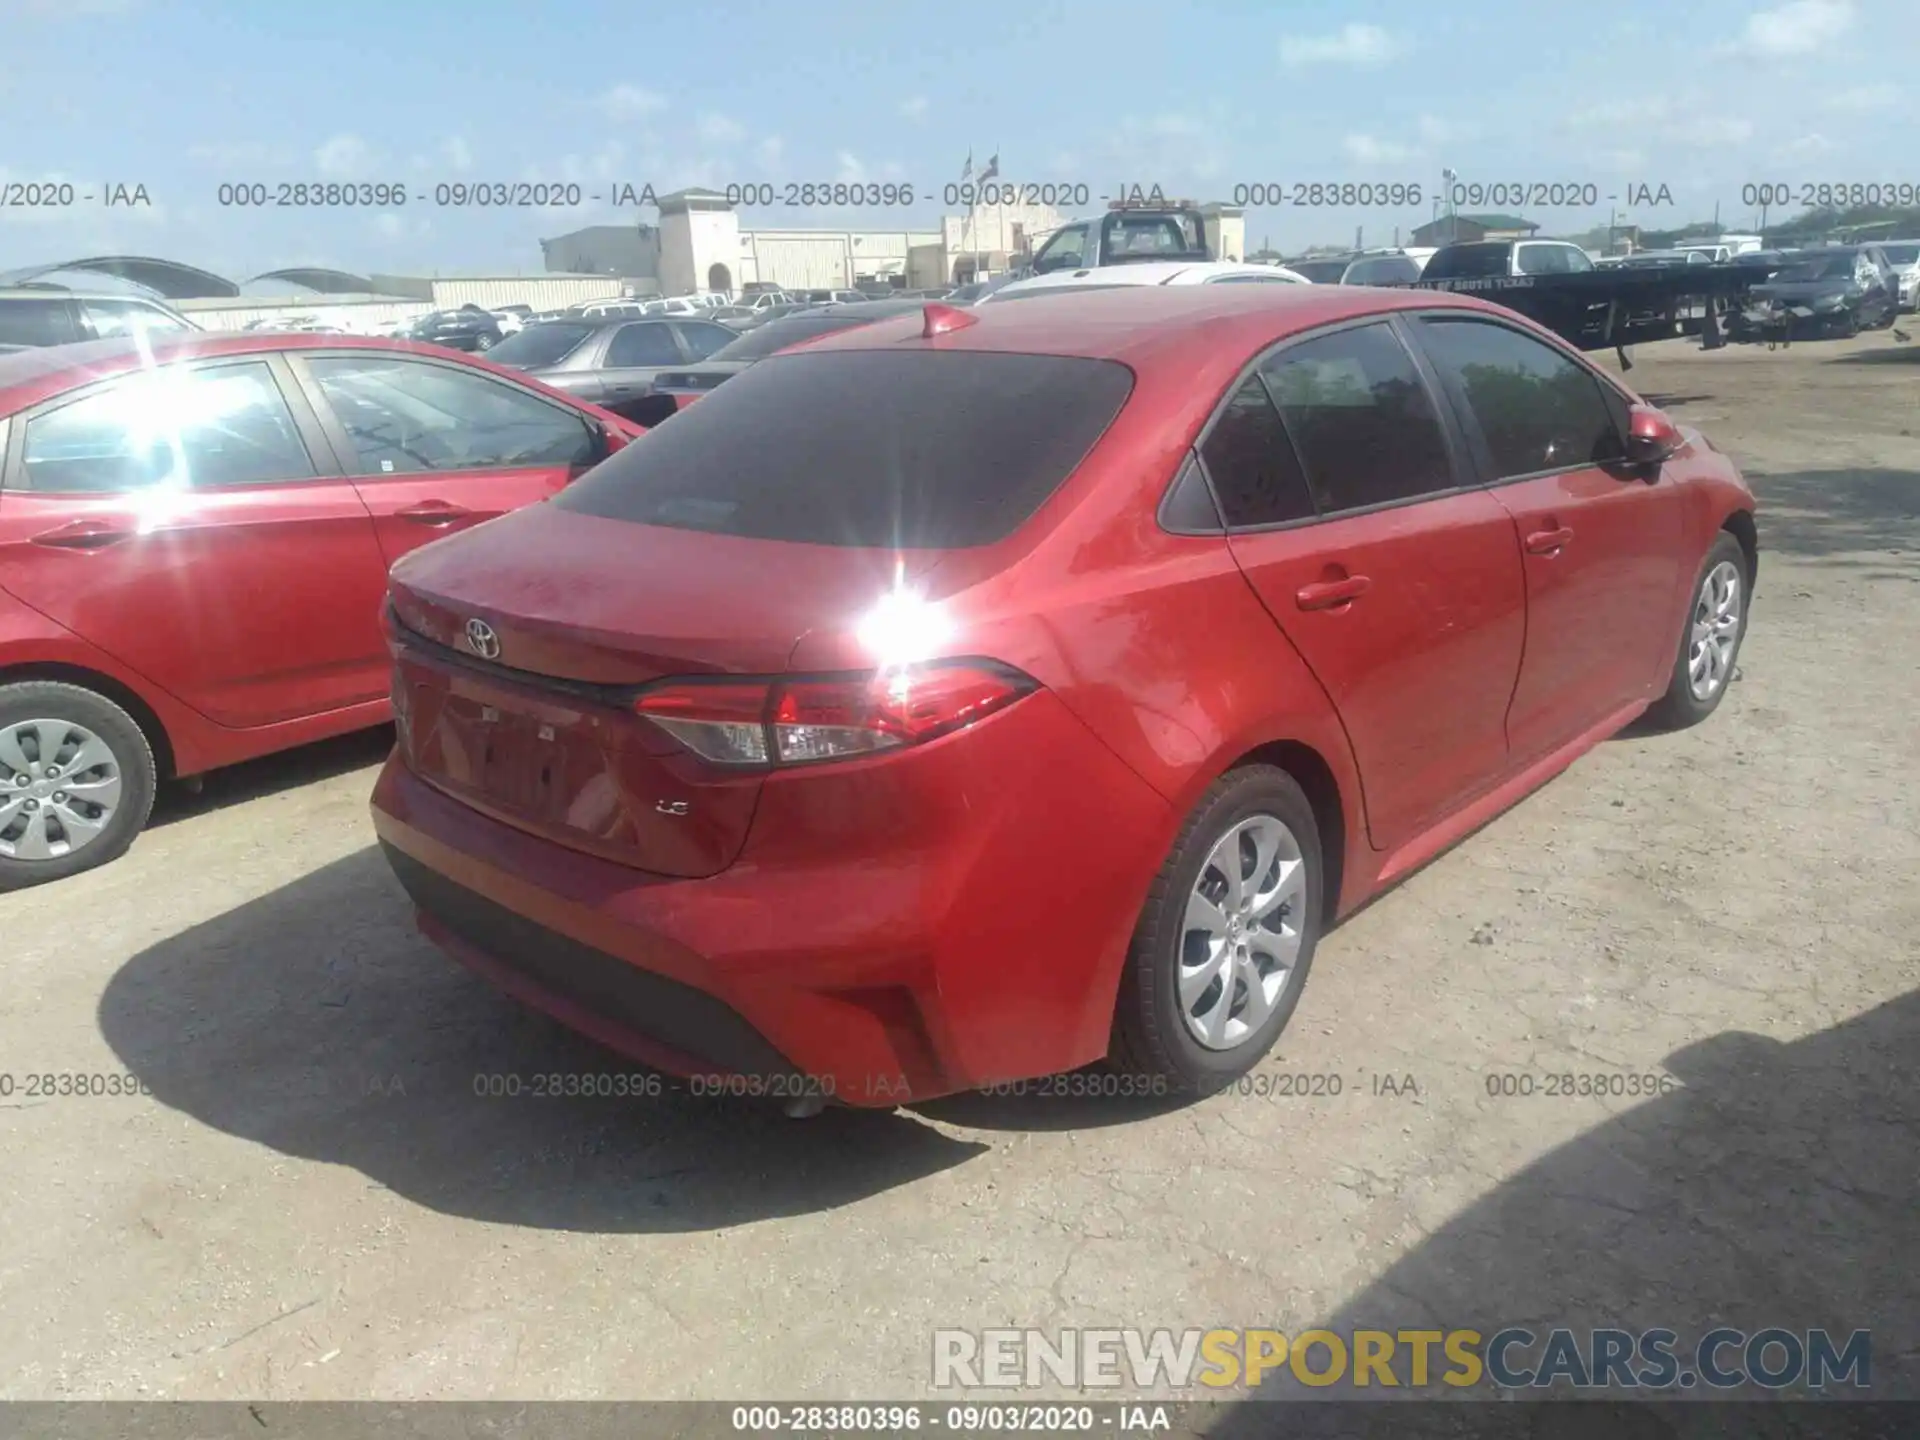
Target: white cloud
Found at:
1799, 27
457, 153
1365, 45
1435, 131
344, 157
1366, 150
1865, 98
1656, 120
770, 150
915, 109
250, 152
1806, 147
1710, 132
1168, 149
1621, 162
629, 102
721, 130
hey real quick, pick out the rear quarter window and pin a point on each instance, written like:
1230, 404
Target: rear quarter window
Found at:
935, 450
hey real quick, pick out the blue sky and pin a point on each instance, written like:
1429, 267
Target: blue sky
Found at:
1705, 98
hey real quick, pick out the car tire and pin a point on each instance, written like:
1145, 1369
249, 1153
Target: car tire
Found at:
483, 342
1156, 1033
46, 822
1687, 700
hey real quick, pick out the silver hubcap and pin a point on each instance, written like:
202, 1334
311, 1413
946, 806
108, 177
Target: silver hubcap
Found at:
1242, 932
59, 786
1715, 631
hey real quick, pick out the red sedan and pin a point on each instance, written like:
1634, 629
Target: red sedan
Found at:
194, 542
960, 701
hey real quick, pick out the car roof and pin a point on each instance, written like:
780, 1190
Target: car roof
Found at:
1151, 326
1144, 272
30, 376
36, 292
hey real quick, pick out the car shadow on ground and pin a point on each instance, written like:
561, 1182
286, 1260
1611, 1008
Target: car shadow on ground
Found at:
283, 770
1898, 354
314, 1021
1774, 1188
1850, 518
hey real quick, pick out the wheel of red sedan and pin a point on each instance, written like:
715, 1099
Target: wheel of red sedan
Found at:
76, 782
1227, 935
1716, 622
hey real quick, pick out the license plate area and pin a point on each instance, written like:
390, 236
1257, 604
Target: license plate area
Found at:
522, 762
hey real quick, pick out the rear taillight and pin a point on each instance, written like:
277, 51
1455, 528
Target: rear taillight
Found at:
832, 717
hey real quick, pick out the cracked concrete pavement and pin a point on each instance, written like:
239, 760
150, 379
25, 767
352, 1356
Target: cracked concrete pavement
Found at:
313, 1203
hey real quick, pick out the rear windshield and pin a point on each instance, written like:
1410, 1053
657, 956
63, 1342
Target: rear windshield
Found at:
1901, 254
934, 450
540, 344
1320, 272
1460, 262
1826, 267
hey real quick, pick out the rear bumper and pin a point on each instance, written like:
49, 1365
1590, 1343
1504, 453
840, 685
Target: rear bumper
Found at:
893, 930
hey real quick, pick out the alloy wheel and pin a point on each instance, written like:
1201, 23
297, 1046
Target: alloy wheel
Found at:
1715, 630
1241, 934
59, 787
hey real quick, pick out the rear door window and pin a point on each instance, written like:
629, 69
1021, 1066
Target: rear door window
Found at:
1255, 473
647, 344
408, 416
932, 450
176, 427
127, 317
1361, 419
36, 322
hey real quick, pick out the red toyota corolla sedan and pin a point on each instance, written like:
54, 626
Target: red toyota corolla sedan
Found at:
971, 698
194, 541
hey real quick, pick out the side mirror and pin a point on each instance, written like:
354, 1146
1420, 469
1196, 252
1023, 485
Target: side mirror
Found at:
1651, 436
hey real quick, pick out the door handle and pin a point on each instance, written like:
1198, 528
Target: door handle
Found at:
1329, 593
83, 535
1548, 542
433, 512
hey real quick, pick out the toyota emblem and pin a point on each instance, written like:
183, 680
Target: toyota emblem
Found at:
482, 641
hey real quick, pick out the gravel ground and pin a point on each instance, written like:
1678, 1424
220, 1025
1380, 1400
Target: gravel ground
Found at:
314, 1204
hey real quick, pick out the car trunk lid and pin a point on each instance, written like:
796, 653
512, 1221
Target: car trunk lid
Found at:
520, 704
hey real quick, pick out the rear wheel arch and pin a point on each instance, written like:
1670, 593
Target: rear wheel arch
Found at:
1740, 524
1315, 777
127, 698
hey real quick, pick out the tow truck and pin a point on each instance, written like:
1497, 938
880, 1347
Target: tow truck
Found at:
1556, 284
1131, 231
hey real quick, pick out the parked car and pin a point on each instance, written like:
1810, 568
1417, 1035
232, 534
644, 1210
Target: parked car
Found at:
743, 318
468, 328
674, 390
1839, 290
1321, 269
194, 540
1174, 272
610, 362
1904, 257
32, 317
753, 752
1661, 259
833, 297
1390, 269
974, 291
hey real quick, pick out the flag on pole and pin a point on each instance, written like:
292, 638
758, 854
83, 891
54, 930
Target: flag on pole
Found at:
967, 173
993, 167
